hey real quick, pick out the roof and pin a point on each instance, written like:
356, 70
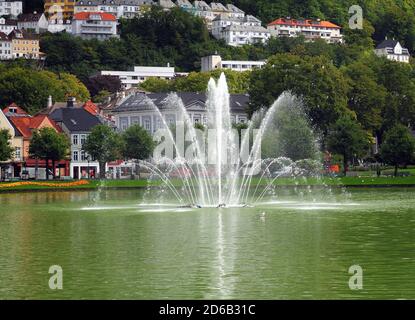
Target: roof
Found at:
116, 2
243, 28
86, 16
91, 107
9, 22
304, 22
75, 119
23, 34
30, 17
141, 101
4, 37
387, 43
8, 111
26, 125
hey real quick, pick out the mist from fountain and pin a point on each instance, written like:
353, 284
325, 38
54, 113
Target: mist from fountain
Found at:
220, 175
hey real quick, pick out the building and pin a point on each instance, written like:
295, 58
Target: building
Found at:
33, 22
11, 8
77, 123
238, 31
392, 50
59, 25
11, 168
5, 47
145, 109
214, 62
25, 45
309, 29
234, 11
133, 78
7, 25
25, 125
204, 11
120, 8
94, 25
185, 5
63, 9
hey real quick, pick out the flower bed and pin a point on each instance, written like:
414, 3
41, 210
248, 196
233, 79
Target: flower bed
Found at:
44, 184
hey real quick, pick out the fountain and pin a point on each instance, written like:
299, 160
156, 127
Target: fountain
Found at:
230, 171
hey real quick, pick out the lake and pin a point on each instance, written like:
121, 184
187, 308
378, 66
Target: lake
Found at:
111, 246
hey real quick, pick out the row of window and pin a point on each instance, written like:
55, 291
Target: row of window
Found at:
76, 138
82, 155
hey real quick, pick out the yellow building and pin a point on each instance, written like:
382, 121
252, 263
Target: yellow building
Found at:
57, 7
25, 45
11, 168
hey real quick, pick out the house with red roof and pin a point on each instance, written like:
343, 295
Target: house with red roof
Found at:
24, 125
94, 25
309, 29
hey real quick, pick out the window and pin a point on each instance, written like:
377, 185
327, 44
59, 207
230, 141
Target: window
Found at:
75, 156
124, 123
83, 138
83, 156
75, 139
147, 124
18, 153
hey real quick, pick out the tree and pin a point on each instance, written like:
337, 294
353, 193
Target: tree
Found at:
398, 147
367, 98
99, 83
6, 150
30, 88
137, 143
104, 145
347, 138
47, 144
314, 79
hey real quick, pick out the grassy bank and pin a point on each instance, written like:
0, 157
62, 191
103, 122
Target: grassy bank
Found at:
95, 184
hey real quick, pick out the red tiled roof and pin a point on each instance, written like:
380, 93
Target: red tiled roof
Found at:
91, 107
85, 16
19, 110
308, 23
26, 125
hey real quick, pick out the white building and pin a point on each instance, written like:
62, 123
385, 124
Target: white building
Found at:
120, 8
6, 52
131, 79
238, 31
7, 26
35, 22
11, 8
140, 109
94, 25
214, 62
59, 25
392, 50
204, 11
310, 29
236, 35
234, 11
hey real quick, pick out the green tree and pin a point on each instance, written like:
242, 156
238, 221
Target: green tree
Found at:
6, 150
30, 88
366, 97
47, 144
138, 144
104, 145
315, 79
347, 138
398, 147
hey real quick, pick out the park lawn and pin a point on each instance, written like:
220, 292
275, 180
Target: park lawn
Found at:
110, 184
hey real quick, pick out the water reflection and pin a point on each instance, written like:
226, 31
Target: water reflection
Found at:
120, 249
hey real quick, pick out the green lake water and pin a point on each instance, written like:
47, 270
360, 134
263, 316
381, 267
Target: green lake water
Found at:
115, 248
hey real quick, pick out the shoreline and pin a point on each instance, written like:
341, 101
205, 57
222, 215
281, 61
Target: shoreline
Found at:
96, 187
